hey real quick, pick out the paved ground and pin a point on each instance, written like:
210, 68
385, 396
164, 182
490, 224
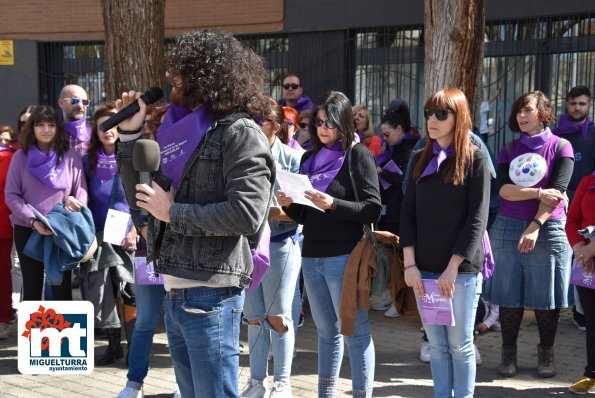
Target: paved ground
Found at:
399, 373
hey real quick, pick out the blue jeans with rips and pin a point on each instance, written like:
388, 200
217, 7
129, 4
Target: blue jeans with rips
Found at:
324, 282
149, 300
452, 353
274, 297
203, 332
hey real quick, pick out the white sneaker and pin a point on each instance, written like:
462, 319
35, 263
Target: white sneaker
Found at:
255, 389
4, 331
281, 390
383, 304
177, 393
424, 352
130, 392
392, 312
478, 361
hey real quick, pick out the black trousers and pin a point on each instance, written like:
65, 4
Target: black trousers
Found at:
32, 271
587, 297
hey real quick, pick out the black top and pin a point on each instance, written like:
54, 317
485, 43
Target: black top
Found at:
337, 231
441, 219
392, 197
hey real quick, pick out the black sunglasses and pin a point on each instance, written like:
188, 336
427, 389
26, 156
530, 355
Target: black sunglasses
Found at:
293, 86
303, 125
441, 114
329, 125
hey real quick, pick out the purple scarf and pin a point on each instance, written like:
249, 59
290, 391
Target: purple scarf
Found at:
322, 167
180, 133
440, 156
106, 166
294, 144
78, 129
388, 153
6, 148
46, 169
537, 141
568, 126
303, 103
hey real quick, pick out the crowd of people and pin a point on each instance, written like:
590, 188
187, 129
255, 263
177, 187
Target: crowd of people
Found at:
234, 246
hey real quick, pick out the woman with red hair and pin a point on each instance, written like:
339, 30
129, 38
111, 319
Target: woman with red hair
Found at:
443, 219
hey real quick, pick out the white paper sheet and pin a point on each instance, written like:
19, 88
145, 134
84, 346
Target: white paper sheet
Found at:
116, 226
295, 186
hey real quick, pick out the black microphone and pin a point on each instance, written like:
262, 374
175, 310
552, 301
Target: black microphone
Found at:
150, 96
146, 157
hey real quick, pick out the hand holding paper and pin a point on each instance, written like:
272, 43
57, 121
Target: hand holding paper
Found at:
393, 168
294, 188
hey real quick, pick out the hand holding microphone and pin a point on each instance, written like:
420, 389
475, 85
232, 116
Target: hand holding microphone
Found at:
146, 158
132, 109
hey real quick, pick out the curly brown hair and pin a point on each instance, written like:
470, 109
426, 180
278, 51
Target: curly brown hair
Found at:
109, 109
216, 69
44, 113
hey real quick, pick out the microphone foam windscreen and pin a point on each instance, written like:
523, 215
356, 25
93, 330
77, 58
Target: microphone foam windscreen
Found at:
152, 95
146, 156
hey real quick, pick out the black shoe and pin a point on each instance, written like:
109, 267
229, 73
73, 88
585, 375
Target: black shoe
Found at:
114, 349
579, 320
110, 355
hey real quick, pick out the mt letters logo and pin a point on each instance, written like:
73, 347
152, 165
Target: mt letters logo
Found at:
56, 337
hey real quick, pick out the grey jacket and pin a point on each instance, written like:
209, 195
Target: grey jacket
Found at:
222, 200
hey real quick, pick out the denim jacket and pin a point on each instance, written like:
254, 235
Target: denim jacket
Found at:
222, 200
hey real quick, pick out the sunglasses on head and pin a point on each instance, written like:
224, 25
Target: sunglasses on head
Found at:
441, 114
75, 101
328, 124
293, 86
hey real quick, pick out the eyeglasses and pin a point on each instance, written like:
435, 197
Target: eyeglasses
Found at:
289, 122
441, 114
326, 123
385, 134
75, 101
293, 86
303, 125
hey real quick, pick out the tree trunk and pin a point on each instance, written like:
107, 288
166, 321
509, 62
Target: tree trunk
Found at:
454, 36
134, 45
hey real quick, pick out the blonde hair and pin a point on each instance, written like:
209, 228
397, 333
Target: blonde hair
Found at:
369, 129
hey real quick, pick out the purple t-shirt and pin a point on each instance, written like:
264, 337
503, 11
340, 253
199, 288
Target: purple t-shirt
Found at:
526, 209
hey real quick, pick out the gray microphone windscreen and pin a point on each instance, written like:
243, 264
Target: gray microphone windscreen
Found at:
146, 156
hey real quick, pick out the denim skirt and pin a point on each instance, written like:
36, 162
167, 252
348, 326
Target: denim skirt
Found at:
536, 280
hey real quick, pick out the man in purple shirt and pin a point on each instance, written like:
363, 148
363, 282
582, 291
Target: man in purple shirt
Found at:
293, 94
74, 102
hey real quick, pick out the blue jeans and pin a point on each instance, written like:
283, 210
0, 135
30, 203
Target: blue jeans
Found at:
203, 332
149, 299
452, 354
324, 282
274, 297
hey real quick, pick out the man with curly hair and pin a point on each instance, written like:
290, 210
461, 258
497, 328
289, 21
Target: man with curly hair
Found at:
200, 233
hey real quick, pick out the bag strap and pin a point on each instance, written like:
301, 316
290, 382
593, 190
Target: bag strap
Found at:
367, 227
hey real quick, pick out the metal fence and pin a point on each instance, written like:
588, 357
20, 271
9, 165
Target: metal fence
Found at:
549, 54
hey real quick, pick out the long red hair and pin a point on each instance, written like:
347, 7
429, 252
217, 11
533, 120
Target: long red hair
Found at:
454, 100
